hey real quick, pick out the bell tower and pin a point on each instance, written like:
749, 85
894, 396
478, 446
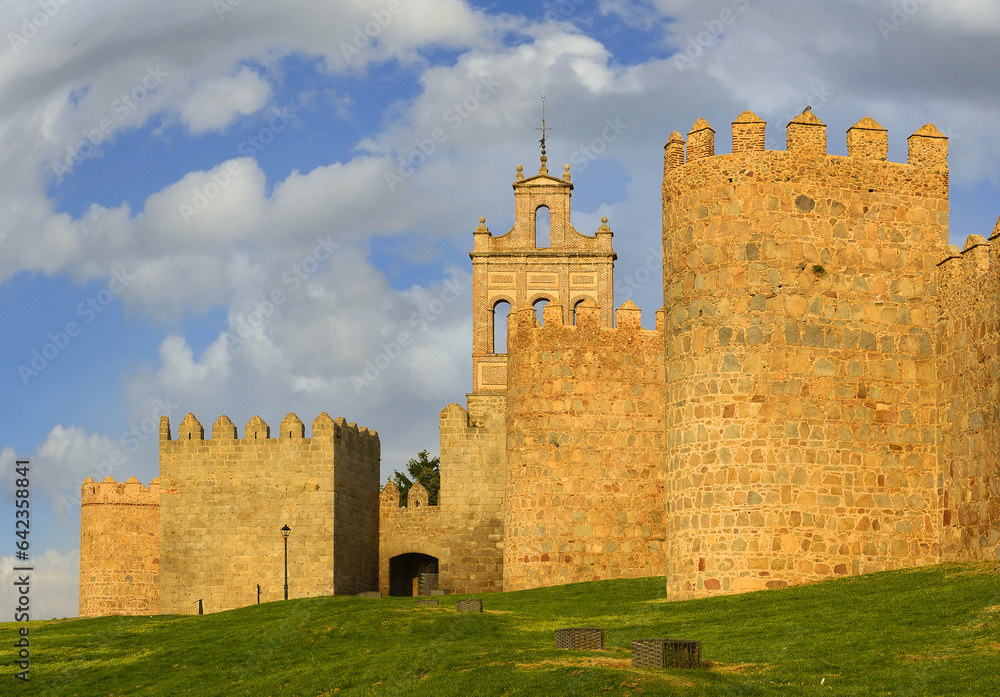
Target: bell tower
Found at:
521, 268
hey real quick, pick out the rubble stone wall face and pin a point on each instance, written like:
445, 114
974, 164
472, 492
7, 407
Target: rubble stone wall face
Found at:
969, 374
585, 475
801, 386
119, 548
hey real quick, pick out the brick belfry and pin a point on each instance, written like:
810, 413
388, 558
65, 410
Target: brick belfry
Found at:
512, 268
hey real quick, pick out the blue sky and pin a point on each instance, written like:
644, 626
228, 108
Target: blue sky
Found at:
239, 141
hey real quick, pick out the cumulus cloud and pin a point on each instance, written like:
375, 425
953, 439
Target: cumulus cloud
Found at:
69, 455
54, 584
215, 102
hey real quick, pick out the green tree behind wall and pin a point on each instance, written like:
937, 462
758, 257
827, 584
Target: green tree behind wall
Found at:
423, 469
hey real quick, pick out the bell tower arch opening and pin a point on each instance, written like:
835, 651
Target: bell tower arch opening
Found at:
543, 227
501, 310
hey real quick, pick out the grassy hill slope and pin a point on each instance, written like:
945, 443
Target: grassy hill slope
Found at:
930, 631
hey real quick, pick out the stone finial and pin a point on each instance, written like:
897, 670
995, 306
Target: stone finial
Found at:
928, 147
190, 429
223, 429
806, 134
701, 141
257, 429
565, 173
868, 140
628, 316
542, 169
588, 313
482, 229
673, 152
748, 133
520, 174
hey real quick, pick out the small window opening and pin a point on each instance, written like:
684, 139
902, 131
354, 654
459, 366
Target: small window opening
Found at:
543, 227
500, 312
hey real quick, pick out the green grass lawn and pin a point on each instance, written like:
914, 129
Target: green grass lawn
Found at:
930, 631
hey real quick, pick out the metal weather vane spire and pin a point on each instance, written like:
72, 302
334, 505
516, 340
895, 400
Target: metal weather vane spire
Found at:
542, 141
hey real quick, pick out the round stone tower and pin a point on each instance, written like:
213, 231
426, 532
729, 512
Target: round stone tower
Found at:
800, 382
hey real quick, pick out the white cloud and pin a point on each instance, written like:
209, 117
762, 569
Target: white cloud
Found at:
216, 102
67, 457
54, 585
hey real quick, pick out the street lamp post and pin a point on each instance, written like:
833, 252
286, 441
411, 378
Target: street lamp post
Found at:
284, 533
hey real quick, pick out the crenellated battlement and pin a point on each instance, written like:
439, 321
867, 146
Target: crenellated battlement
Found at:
128, 493
805, 135
964, 270
292, 428
418, 497
628, 319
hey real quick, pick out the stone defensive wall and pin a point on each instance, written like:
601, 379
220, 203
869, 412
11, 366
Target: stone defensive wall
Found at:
119, 548
464, 532
473, 468
411, 529
969, 373
224, 501
801, 388
585, 446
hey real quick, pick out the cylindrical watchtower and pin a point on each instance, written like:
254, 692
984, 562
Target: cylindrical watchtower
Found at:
800, 377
